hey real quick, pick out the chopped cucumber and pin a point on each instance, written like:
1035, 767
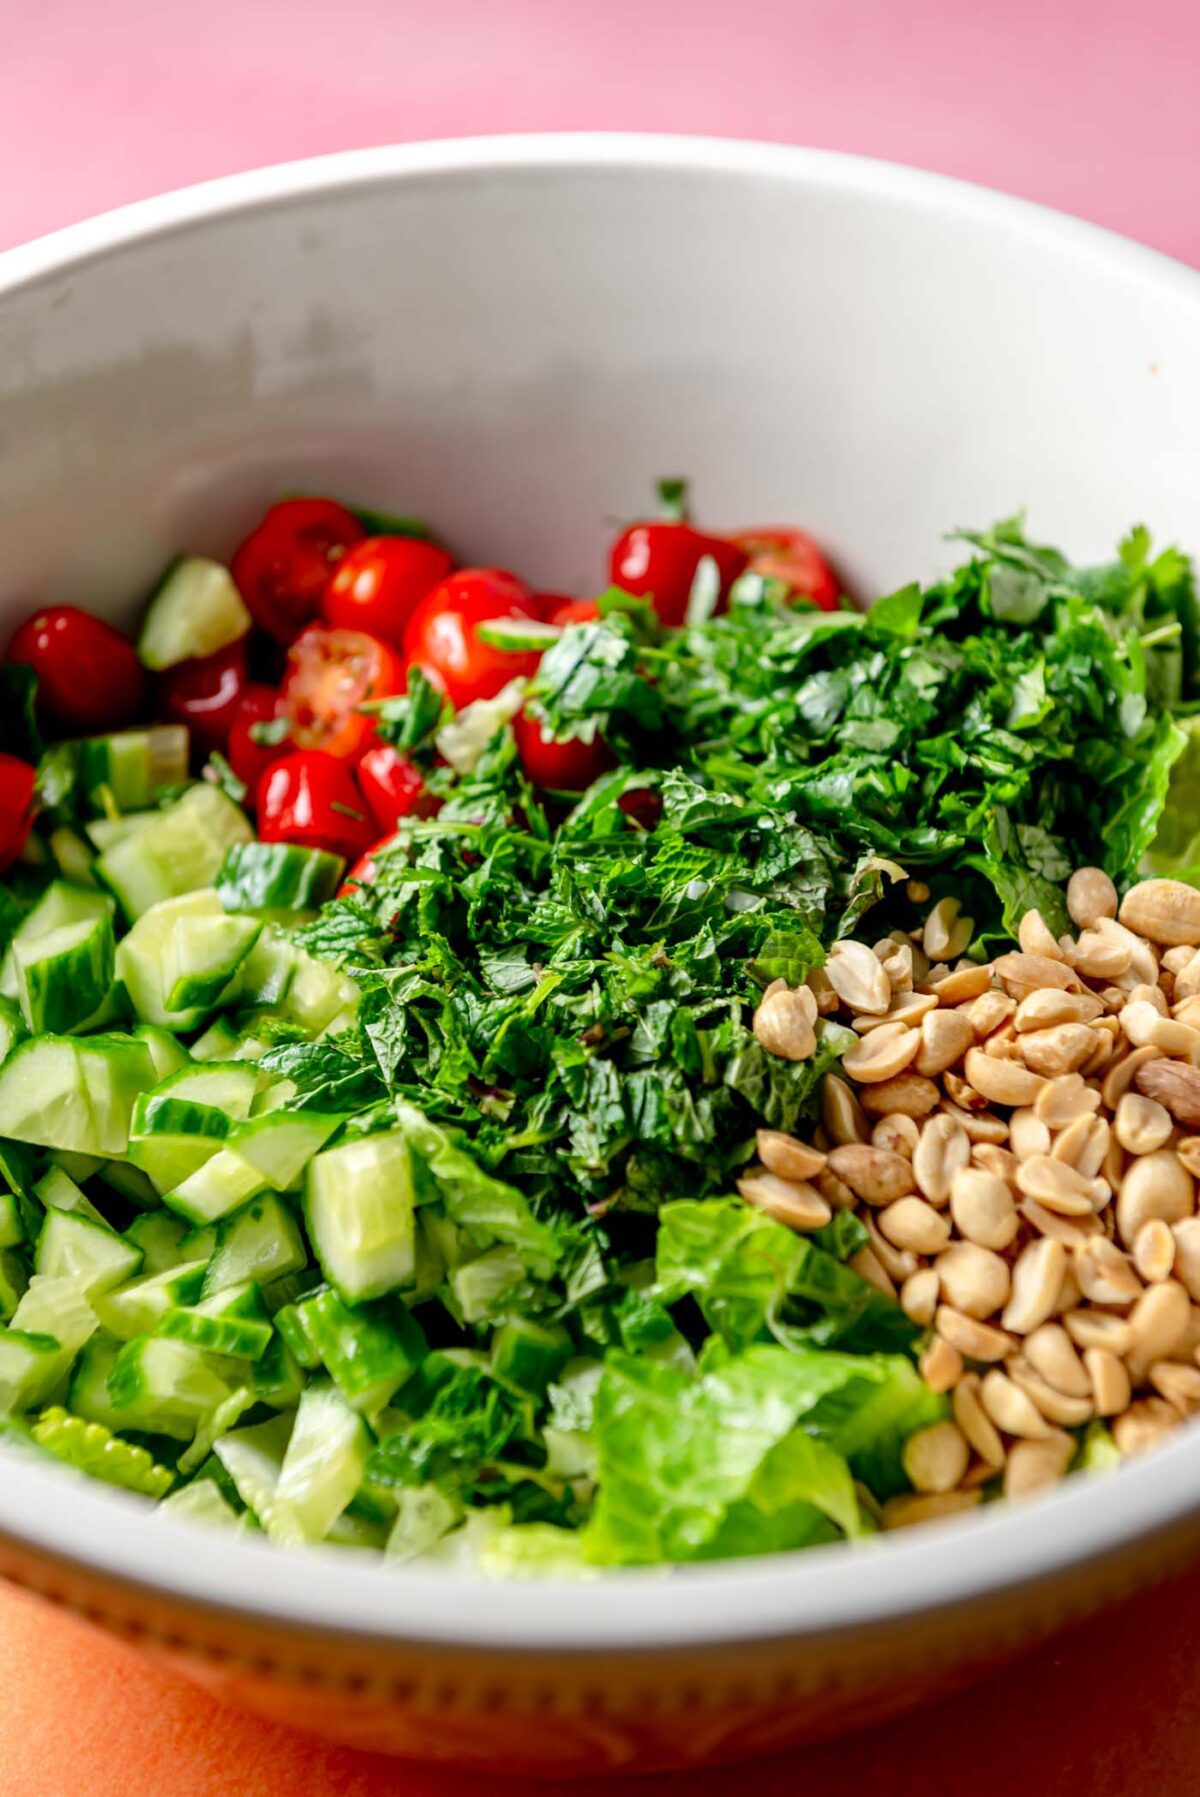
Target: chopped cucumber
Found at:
227, 1086
58, 1191
116, 1070
359, 1202
31, 1364
131, 1183
220, 1041
171, 1138
202, 955
166, 1051
73, 855
203, 1501
62, 903
181, 851
291, 1323
64, 977
478, 1283
233, 1321
14, 1282
276, 1377
106, 832
268, 969
87, 1393
91, 1254
12, 1026
196, 610
164, 1387
277, 877
142, 955
518, 634
223, 1184
261, 1243
73, 1092
120, 773
135, 1308
12, 1221
157, 1235
369, 1351
280, 1144
529, 1355
253, 1458
322, 1468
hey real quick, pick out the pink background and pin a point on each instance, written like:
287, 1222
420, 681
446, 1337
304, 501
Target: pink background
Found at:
1089, 105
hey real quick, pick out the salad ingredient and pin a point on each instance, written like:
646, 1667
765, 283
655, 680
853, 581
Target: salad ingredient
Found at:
258, 734
569, 765
572, 611
793, 557
393, 787
205, 695
18, 782
283, 566
331, 673
88, 674
442, 637
196, 611
310, 798
379, 583
664, 561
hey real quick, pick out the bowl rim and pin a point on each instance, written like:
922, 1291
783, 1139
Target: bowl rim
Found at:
825, 1590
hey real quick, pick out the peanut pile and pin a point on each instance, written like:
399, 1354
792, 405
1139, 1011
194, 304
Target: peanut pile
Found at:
1022, 1142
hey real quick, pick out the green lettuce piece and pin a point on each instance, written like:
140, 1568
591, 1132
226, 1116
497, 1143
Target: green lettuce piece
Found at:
752, 1277
1175, 849
802, 1494
475, 1200
490, 1545
680, 1455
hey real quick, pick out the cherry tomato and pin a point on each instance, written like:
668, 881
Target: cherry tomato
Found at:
642, 805
311, 798
659, 562
441, 636
379, 584
331, 673
282, 567
205, 695
88, 674
393, 787
364, 870
792, 555
18, 780
560, 767
249, 759
574, 611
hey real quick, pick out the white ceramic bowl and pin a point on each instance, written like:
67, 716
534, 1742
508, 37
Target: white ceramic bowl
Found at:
513, 338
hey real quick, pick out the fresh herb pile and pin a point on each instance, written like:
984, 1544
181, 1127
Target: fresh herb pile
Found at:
555, 1001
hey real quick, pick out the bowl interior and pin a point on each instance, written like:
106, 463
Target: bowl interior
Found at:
513, 340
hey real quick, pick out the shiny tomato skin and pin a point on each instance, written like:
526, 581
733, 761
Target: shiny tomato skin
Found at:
204, 694
330, 673
379, 584
560, 767
659, 562
642, 806
18, 784
258, 704
781, 553
441, 637
310, 798
283, 566
574, 611
88, 674
365, 869
393, 787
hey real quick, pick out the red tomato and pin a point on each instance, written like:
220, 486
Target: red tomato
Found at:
88, 674
258, 704
792, 555
205, 695
575, 611
282, 567
642, 805
330, 674
364, 871
659, 562
379, 584
393, 787
560, 767
18, 780
311, 798
441, 636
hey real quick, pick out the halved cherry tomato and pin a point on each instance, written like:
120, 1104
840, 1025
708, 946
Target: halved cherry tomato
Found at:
560, 767
249, 759
311, 798
88, 674
794, 556
18, 781
205, 694
282, 567
393, 787
331, 673
379, 584
574, 611
659, 562
441, 636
